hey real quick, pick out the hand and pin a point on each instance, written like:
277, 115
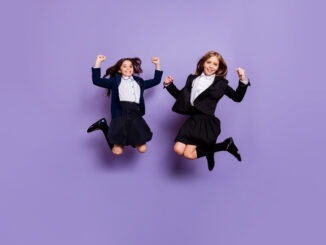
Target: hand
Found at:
156, 61
168, 81
241, 74
99, 59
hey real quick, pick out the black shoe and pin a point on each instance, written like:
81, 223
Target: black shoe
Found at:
103, 126
232, 148
210, 161
100, 124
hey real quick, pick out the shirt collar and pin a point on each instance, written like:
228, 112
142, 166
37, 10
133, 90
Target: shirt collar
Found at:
127, 78
211, 77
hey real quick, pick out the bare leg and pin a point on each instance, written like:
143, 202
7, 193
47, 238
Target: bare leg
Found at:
190, 152
141, 148
179, 148
117, 149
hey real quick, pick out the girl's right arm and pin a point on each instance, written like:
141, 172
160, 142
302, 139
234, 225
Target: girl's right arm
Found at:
96, 74
171, 88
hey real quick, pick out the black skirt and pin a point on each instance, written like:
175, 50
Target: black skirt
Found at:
130, 128
199, 129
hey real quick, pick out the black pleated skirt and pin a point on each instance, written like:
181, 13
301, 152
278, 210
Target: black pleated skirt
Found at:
130, 128
199, 129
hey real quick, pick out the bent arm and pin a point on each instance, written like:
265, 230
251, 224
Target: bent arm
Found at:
155, 81
238, 94
173, 90
101, 82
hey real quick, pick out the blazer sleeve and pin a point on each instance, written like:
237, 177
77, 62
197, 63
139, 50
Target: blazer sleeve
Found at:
101, 82
238, 94
155, 81
173, 90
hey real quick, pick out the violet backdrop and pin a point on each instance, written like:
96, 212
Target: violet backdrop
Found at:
60, 185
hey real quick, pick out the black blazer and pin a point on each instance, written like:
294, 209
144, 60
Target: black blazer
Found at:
113, 84
207, 101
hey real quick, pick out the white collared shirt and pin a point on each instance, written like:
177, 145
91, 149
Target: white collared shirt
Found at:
129, 90
199, 85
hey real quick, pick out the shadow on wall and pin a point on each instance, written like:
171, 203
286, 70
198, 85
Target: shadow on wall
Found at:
106, 159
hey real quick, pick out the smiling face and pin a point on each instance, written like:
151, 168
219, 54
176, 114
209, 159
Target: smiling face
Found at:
212, 63
211, 66
126, 68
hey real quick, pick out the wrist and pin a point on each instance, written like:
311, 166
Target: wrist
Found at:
98, 64
244, 80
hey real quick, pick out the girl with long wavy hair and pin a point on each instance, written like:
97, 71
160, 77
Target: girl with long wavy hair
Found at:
126, 90
198, 99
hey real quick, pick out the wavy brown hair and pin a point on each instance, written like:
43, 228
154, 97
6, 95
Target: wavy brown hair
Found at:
115, 69
222, 67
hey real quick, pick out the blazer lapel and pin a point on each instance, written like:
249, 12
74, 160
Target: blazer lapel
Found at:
189, 85
210, 88
118, 79
137, 81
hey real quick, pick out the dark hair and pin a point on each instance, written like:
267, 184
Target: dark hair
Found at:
115, 69
222, 67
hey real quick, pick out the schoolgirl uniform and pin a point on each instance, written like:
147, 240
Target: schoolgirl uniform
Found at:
127, 126
199, 99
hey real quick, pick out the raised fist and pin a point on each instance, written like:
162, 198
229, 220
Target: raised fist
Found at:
168, 81
241, 74
156, 60
100, 58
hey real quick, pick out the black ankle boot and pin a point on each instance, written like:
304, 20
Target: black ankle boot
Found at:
100, 124
232, 148
103, 126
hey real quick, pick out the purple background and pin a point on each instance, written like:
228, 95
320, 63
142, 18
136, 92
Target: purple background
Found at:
60, 185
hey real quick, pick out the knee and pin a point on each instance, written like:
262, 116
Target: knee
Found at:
189, 155
179, 150
116, 150
142, 148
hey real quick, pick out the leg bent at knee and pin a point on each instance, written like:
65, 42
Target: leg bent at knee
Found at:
190, 152
117, 149
141, 148
179, 148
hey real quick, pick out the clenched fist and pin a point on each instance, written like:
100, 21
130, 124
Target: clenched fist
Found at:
156, 61
241, 74
168, 81
99, 59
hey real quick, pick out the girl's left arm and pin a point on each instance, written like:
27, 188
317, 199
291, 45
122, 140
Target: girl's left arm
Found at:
240, 92
157, 75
